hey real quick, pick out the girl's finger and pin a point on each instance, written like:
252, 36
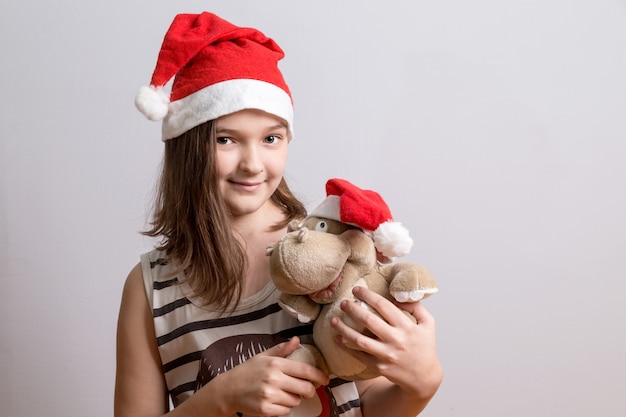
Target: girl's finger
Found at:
417, 310
283, 349
354, 339
386, 308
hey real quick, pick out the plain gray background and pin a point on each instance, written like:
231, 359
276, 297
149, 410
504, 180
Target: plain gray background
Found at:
495, 130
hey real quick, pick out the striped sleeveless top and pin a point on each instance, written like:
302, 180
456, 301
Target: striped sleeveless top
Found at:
197, 343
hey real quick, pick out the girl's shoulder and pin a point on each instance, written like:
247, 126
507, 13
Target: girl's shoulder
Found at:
158, 272
156, 266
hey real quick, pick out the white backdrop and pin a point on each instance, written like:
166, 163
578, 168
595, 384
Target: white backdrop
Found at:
495, 130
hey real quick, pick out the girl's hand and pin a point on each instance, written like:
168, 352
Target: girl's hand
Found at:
403, 351
268, 384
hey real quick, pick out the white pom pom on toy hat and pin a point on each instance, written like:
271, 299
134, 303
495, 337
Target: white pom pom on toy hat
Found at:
366, 209
392, 239
218, 69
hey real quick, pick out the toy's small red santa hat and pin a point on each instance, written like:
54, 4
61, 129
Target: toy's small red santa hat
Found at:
366, 209
219, 69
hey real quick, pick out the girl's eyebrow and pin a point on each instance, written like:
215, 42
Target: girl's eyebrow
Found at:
278, 127
234, 130
225, 130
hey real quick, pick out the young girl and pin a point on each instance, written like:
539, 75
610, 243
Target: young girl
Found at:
199, 323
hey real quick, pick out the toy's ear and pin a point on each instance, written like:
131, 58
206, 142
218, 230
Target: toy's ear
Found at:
294, 225
362, 247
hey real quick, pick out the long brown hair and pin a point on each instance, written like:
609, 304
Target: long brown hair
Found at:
193, 222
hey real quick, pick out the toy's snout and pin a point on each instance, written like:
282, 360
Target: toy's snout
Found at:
306, 261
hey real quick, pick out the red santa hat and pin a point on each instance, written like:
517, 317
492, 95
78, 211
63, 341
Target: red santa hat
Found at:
219, 69
366, 209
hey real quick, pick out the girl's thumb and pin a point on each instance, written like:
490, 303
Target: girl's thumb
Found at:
283, 349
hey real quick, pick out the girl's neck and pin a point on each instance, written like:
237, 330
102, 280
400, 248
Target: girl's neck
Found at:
261, 221
256, 232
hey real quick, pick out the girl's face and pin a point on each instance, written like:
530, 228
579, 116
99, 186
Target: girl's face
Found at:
251, 153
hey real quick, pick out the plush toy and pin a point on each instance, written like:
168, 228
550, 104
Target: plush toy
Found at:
349, 240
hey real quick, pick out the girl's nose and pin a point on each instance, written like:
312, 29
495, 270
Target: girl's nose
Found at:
251, 160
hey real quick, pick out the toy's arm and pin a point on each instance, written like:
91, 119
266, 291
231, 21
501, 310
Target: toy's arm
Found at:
300, 306
410, 282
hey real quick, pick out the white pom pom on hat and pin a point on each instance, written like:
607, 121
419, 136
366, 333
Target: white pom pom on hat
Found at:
392, 239
153, 102
218, 69
366, 209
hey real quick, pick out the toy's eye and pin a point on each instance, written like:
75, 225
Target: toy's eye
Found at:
321, 226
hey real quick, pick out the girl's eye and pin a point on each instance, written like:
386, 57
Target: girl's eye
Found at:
272, 139
321, 226
223, 140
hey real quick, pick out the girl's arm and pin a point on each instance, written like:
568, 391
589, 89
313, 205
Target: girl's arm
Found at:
139, 384
403, 353
267, 384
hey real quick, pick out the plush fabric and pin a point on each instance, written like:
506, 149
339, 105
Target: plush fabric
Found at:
317, 265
